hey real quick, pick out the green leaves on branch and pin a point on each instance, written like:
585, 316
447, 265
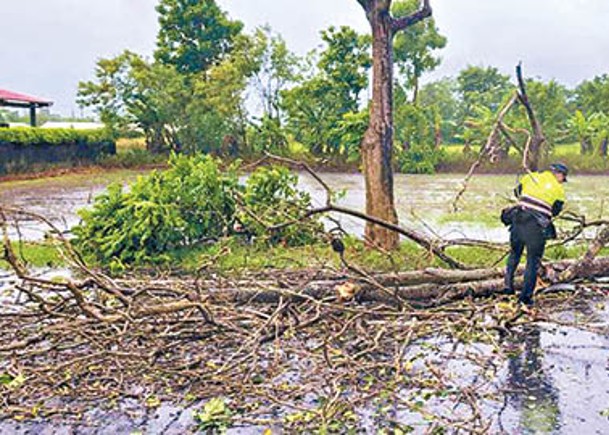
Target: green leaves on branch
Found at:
192, 202
414, 47
270, 198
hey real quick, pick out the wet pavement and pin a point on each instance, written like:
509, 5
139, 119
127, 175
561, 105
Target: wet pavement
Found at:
555, 380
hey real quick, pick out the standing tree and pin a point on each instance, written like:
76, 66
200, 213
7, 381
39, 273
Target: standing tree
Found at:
593, 95
194, 34
480, 86
414, 47
377, 146
323, 109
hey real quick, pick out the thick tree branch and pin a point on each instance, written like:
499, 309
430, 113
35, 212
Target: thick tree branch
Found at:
531, 155
435, 247
431, 245
366, 5
402, 23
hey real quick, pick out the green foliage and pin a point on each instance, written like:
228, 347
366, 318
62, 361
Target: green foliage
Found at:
110, 93
272, 196
412, 123
275, 67
588, 129
133, 158
193, 35
479, 86
183, 205
549, 101
348, 133
344, 63
419, 159
193, 201
441, 98
54, 136
215, 416
175, 111
593, 95
317, 106
416, 128
268, 135
414, 47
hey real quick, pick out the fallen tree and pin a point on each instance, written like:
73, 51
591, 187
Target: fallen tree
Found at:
69, 343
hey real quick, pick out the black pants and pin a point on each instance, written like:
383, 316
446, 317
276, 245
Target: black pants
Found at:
525, 231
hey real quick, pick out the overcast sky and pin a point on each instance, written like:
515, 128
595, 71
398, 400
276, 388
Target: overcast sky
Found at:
48, 46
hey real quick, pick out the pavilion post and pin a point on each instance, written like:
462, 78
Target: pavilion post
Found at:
33, 115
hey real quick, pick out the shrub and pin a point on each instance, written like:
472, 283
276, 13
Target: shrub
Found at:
194, 200
420, 159
272, 196
53, 136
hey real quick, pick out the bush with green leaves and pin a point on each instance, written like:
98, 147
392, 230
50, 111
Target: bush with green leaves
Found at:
193, 201
271, 197
54, 136
419, 159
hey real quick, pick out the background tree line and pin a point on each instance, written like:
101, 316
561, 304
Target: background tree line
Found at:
211, 87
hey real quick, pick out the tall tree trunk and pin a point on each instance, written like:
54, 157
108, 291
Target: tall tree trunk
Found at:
377, 146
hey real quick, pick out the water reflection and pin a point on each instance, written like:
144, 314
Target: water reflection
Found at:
529, 388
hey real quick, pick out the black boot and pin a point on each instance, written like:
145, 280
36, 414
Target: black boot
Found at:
526, 300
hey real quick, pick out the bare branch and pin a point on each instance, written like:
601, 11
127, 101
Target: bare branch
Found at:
402, 23
309, 170
531, 160
487, 149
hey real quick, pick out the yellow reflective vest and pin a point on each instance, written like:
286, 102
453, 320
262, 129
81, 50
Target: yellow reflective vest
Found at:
540, 190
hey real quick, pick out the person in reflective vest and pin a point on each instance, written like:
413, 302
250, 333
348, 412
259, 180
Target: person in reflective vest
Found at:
541, 197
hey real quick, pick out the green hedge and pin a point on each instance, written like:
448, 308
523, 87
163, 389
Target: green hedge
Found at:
31, 149
53, 136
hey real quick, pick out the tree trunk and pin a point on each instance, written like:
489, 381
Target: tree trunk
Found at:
377, 146
602, 148
415, 91
584, 146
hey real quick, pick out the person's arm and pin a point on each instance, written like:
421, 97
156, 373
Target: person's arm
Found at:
557, 207
518, 190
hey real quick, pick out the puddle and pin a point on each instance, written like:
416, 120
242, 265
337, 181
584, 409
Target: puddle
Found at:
423, 202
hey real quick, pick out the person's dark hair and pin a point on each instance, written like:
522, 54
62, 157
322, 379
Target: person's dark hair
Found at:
560, 168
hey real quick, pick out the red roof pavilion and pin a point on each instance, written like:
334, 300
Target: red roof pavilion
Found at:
15, 99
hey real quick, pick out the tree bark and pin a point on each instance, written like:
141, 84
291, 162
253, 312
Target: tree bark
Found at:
377, 145
418, 288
